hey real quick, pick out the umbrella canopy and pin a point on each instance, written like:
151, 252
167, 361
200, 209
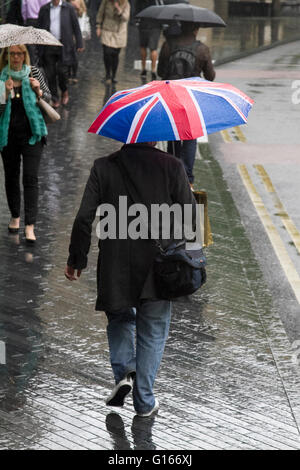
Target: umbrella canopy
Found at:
171, 2
183, 12
172, 110
13, 35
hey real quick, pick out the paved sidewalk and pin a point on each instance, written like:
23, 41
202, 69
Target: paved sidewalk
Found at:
228, 379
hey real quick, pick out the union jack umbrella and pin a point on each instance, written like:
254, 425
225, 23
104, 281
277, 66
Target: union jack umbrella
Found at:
182, 109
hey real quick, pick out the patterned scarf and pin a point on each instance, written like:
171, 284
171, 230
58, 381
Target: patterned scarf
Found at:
33, 113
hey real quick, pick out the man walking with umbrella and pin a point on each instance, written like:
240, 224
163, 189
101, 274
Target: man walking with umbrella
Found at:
126, 290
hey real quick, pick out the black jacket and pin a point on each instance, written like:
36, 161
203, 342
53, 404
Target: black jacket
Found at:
69, 28
124, 265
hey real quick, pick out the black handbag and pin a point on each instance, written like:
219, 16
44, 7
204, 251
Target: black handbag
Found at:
177, 271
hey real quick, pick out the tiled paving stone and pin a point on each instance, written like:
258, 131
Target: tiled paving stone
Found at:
227, 380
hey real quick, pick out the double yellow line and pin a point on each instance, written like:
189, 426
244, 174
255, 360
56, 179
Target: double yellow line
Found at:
274, 237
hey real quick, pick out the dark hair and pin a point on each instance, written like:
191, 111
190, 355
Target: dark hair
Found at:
188, 26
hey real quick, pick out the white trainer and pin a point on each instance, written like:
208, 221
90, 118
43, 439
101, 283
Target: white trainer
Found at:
155, 408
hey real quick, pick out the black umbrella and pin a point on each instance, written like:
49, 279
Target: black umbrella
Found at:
183, 12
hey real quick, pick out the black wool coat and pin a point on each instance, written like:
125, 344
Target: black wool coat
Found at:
124, 265
69, 28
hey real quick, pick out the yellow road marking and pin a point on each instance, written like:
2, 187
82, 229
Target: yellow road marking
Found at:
240, 134
233, 134
286, 220
226, 137
278, 245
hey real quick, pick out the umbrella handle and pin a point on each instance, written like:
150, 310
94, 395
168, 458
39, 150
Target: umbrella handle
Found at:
8, 56
12, 93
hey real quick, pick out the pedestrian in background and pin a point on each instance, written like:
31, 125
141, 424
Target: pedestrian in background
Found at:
149, 34
84, 21
22, 133
93, 7
14, 14
126, 290
81, 12
59, 17
30, 14
112, 25
183, 56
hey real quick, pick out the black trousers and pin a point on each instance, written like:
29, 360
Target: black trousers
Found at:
11, 156
55, 70
32, 48
111, 60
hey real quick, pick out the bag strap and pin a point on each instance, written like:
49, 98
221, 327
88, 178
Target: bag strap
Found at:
127, 181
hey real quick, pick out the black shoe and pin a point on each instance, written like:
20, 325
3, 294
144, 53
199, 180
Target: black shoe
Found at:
144, 73
120, 391
13, 230
30, 241
153, 76
106, 80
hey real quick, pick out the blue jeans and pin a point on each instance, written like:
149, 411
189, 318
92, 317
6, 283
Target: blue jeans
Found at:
186, 151
150, 321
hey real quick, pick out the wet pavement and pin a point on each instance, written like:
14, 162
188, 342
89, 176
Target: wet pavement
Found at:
229, 378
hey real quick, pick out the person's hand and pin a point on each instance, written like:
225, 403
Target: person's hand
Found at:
98, 31
117, 7
80, 49
75, 4
35, 85
9, 86
70, 273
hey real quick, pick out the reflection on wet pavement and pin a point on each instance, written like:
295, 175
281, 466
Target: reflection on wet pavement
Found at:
227, 380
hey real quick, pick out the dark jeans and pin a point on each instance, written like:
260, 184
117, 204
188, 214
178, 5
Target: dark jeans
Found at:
11, 156
186, 151
111, 60
55, 69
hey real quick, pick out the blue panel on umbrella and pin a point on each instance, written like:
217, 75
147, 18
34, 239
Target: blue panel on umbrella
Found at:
218, 114
236, 99
118, 126
156, 126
